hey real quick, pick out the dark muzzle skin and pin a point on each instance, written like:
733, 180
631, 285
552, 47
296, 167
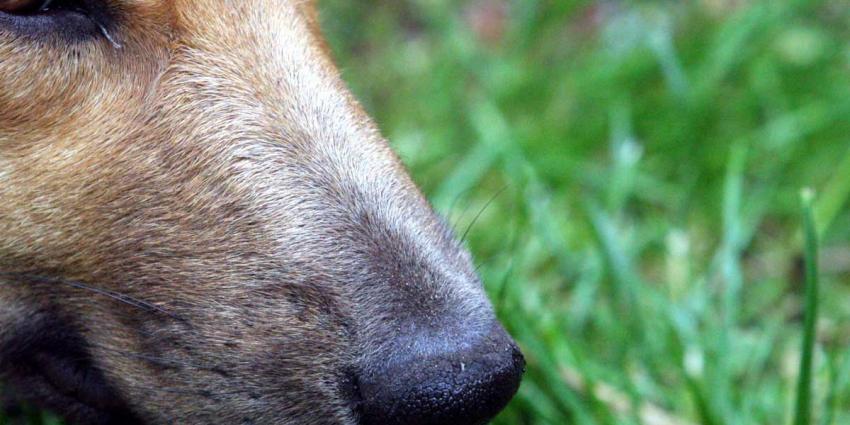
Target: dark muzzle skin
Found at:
200, 225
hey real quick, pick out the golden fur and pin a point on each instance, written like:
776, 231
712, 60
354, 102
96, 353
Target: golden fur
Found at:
206, 214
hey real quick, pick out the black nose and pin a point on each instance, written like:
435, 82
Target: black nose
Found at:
466, 386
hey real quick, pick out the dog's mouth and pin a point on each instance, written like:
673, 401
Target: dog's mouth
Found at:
48, 7
350, 391
43, 16
68, 19
50, 357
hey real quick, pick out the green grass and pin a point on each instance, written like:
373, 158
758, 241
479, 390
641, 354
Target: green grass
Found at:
803, 414
641, 164
647, 253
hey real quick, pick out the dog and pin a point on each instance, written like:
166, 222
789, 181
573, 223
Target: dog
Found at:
199, 224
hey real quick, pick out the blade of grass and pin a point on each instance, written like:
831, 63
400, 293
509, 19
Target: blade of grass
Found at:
706, 413
733, 38
833, 197
619, 267
839, 381
466, 175
831, 396
493, 133
730, 267
660, 41
626, 153
490, 123
732, 234
802, 411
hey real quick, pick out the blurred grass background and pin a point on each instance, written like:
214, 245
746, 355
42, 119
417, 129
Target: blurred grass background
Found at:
628, 174
633, 170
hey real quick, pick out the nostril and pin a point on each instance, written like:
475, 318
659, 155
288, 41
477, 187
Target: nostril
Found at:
460, 388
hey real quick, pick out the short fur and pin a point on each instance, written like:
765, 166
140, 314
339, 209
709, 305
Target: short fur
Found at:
203, 226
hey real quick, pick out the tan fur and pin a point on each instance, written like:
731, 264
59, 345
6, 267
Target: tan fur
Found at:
214, 170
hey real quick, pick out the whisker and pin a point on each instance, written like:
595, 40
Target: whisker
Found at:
108, 36
481, 211
117, 296
453, 205
481, 264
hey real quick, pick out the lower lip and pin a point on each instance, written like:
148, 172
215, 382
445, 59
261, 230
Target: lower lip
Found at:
66, 25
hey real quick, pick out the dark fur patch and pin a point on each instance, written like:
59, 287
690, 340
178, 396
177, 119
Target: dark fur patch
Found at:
49, 366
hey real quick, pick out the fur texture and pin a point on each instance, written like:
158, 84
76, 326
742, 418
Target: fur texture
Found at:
203, 226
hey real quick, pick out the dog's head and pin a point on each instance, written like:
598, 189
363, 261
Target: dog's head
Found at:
198, 224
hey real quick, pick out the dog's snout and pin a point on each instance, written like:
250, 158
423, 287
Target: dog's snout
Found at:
467, 386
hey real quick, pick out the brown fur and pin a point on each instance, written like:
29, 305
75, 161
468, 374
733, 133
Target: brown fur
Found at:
208, 217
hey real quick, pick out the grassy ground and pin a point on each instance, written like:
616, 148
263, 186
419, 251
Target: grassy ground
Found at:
633, 171
642, 162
